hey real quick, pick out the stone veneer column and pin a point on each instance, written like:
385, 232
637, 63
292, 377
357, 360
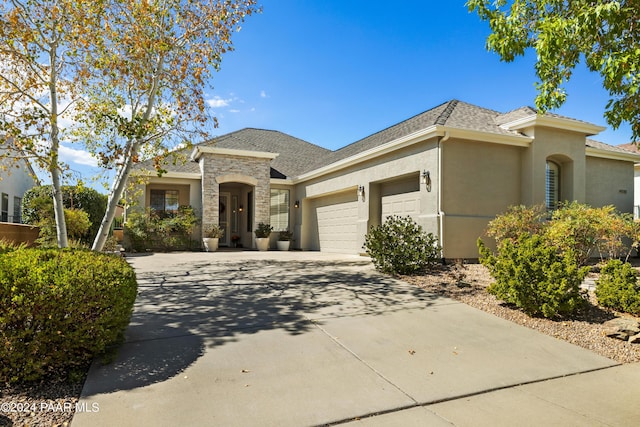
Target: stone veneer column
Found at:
218, 165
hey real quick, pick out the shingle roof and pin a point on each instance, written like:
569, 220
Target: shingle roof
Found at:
614, 148
297, 156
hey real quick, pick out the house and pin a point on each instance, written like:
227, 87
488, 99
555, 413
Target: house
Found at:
452, 168
16, 177
633, 147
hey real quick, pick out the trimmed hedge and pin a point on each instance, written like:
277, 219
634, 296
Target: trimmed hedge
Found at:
534, 276
59, 309
618, 287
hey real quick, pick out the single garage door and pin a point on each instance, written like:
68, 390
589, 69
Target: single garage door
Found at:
401, 204
337, 217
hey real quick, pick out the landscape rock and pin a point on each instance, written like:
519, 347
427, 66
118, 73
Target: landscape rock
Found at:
621, 328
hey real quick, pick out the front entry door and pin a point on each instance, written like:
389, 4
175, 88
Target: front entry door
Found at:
224, 219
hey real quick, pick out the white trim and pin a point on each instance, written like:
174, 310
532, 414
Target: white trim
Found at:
554, 122
280, 181
198, 151
613, 155
413, 138
182, 175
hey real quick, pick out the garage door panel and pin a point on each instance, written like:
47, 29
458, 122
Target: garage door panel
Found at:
337, 223
401, 204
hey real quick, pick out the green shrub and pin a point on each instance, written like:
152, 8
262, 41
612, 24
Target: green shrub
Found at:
59, 309
534, 276
400, 246
618, 287
149, 230
518, 220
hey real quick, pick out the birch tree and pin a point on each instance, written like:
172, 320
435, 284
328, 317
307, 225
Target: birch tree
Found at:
154, 62
37, 86
605, 34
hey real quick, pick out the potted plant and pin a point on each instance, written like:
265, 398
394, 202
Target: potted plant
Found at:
284, 240
211, 237
263, 231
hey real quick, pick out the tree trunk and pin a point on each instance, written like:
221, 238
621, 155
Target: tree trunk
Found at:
54, 170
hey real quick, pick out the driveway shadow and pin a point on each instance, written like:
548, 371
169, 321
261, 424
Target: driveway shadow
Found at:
184, 309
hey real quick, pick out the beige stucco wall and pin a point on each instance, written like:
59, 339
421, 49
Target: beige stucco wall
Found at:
610, 182
372, 174
479, 181
565, 148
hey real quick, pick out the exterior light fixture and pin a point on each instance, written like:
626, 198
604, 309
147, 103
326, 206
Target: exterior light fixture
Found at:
240, 208
296, 204
361, 192
425, 178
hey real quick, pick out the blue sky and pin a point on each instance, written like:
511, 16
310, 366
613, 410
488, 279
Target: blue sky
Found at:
334, 71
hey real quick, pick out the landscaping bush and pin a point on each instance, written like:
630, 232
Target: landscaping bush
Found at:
534, 276
518, 220
149, 230
400, 246
59, 309
618, 287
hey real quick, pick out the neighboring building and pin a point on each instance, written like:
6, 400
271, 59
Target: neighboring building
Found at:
633, 147
15, 180
452, 168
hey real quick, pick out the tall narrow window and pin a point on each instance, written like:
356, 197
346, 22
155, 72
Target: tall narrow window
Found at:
552, 186
280, 210
4, 213
17, 210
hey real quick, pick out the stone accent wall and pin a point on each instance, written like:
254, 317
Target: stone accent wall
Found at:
217, 165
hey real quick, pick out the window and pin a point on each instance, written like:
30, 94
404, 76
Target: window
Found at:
17, 210
552, 186
4, 212
280, 210
165, 201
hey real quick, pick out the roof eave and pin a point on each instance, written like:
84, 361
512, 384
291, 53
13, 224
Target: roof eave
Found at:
612, 155
200, 150
554, 122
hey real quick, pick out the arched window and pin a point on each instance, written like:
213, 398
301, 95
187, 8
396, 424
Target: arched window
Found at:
552, 186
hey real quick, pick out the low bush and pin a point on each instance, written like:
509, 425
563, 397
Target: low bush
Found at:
400, 246
534, 276
59, 309
618, 287
151, 230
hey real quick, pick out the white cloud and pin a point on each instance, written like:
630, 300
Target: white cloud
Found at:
217, 102
80, 157
234, 111
263, 94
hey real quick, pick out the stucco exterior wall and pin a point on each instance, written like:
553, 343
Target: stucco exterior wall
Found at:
373, 174
479, 181
563, 147
610, 182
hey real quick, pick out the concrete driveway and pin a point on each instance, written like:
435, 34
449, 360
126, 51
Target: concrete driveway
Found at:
304, 338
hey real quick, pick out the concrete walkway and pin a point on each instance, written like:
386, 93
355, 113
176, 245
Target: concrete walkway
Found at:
301, 338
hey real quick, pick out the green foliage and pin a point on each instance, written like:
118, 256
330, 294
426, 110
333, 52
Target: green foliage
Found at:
285, 236
516, 221
263, 230
400, 246
59, 309
37, 208
618, 287
77, 223
534, 276
605, 34
214, 232
167, 232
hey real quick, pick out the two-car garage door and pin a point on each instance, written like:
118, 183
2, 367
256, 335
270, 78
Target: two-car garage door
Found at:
337, 217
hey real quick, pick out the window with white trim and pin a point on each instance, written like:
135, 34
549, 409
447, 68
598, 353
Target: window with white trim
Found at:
279, 218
